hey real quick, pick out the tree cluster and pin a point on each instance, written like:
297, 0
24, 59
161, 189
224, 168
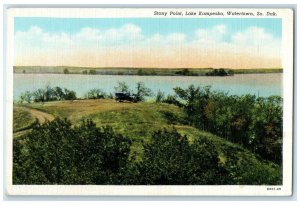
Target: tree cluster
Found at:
48, 94
58, 152
253, 122
139, 94
220, 72
96, 93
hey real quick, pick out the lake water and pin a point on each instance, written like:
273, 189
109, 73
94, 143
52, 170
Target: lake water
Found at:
258, 84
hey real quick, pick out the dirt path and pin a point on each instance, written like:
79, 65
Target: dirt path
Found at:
42, 117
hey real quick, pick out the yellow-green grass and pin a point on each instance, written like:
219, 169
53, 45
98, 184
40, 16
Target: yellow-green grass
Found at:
22, 119
78, 109
139, 121
135, 120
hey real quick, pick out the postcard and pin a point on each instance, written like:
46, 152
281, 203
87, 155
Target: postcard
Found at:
149, 101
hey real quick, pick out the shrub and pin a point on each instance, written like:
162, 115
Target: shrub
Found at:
70, 95
66, 71
170, 159
255, 123
27, 97
141, 92
58, 153
160, 96
92, 72
96, 94
122, 87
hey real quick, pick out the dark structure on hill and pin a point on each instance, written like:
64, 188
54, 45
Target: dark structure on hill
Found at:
123, 96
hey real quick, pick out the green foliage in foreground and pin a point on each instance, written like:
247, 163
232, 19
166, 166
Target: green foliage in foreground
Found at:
253, 122
170, 159
56, 153
59, 153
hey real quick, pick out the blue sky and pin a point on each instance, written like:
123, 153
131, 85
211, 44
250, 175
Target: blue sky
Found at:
149, 26
148, 42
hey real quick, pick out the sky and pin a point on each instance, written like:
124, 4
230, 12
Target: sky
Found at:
148, 42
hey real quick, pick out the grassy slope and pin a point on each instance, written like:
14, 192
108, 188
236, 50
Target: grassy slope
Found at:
22, 119
139, 120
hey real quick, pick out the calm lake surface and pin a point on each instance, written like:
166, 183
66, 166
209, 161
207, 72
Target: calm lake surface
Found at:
258, 84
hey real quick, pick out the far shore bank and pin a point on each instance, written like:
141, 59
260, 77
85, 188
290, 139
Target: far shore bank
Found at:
141, 71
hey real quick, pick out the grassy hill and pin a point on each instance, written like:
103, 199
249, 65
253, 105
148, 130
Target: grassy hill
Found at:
139, 120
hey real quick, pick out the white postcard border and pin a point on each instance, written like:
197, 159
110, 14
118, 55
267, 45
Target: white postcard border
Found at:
162, 190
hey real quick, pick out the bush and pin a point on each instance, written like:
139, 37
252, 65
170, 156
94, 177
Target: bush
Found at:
96, 94
27, 97
160, 97
48, 94
66, 71
92, 72
169, 159
255, 123
171, 99
58, 153
141, 92
185, 72
70, 95
122, 87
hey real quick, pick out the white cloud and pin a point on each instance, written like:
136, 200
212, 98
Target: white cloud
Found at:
258, 42
112, 36
252, 35
212, 35
159, 40
128, 40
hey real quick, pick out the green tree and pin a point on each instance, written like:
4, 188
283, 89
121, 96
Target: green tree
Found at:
39, 95
70, 95
59, 93
122, 87
140, 72
26, 96
59, 153
160, 97
266, 128
92, 72
96, 94
49, 94
66, 71
255, 123
195, 100
170, 159
164, 159
142, 92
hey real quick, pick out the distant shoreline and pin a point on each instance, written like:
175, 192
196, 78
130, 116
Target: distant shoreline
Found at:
141, 71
